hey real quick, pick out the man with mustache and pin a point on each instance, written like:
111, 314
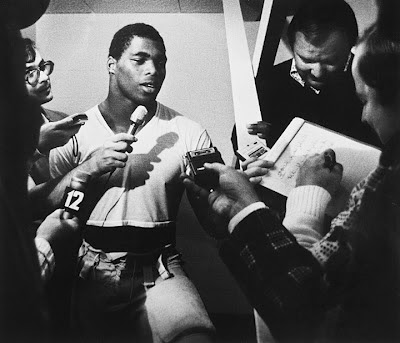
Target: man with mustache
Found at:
57, 128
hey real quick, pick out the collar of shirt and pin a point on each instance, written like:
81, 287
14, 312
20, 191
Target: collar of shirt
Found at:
296, 76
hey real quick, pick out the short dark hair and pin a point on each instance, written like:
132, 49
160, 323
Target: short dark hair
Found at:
379, 65
30, 50
124, 36
317, 18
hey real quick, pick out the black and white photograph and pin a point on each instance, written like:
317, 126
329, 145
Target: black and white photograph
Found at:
200, 171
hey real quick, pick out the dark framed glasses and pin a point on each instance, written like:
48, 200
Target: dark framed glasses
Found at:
32, 76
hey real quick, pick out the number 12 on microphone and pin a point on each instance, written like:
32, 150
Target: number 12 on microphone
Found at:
73, 199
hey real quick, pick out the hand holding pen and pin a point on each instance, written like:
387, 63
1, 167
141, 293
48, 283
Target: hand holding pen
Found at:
321, 170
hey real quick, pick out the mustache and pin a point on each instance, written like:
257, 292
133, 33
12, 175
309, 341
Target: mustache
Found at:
44, 86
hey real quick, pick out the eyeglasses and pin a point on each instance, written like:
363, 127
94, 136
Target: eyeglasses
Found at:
32, 76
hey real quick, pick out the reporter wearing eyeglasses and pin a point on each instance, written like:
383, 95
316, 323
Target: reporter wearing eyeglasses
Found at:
37, 75
57, 127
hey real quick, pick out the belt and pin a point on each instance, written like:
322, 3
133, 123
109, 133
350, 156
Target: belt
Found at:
151, 265
131, 239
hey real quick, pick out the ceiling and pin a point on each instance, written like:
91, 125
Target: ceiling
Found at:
251, 8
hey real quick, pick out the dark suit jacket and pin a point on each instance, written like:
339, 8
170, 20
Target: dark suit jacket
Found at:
336, 107
279, 277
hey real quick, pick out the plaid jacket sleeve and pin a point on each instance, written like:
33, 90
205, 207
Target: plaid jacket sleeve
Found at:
282, 280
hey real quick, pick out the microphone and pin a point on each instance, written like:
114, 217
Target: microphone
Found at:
137, 118
74, 195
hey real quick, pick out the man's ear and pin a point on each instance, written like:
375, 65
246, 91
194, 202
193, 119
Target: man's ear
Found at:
111, 64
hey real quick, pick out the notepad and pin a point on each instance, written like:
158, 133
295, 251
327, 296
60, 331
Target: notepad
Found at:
302, 139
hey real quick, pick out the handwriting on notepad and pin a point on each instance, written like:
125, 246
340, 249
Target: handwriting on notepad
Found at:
300, 150
302, 139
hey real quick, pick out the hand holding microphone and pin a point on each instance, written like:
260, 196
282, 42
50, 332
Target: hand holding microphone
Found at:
114, 152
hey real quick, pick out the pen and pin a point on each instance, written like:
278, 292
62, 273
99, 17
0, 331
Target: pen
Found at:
329, 161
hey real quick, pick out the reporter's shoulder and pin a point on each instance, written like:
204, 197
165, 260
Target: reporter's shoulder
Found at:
283, 68
287, 64
276, 78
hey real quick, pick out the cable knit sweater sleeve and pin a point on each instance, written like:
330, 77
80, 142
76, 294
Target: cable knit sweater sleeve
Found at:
305, 211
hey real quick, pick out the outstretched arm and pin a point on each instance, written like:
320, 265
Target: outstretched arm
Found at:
281, 279
48, 196
57, 133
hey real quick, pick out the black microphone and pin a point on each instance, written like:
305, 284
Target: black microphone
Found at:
137, 118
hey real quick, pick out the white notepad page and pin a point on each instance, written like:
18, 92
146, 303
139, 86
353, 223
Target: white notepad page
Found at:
301, 139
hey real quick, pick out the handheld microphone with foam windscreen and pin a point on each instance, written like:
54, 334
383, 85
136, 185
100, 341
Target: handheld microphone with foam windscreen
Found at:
137, 118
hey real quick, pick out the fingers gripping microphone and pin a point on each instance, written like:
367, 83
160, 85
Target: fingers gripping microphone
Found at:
137, 118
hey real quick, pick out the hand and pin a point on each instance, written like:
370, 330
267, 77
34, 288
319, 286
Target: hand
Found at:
58, 133
256, 169
111, 155
61, 230
261, 129
321, 170
233, 193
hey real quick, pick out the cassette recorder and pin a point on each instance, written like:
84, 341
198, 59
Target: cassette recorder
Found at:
255, 149
196, 159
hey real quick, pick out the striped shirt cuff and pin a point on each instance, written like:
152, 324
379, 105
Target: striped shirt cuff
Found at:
243, 214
